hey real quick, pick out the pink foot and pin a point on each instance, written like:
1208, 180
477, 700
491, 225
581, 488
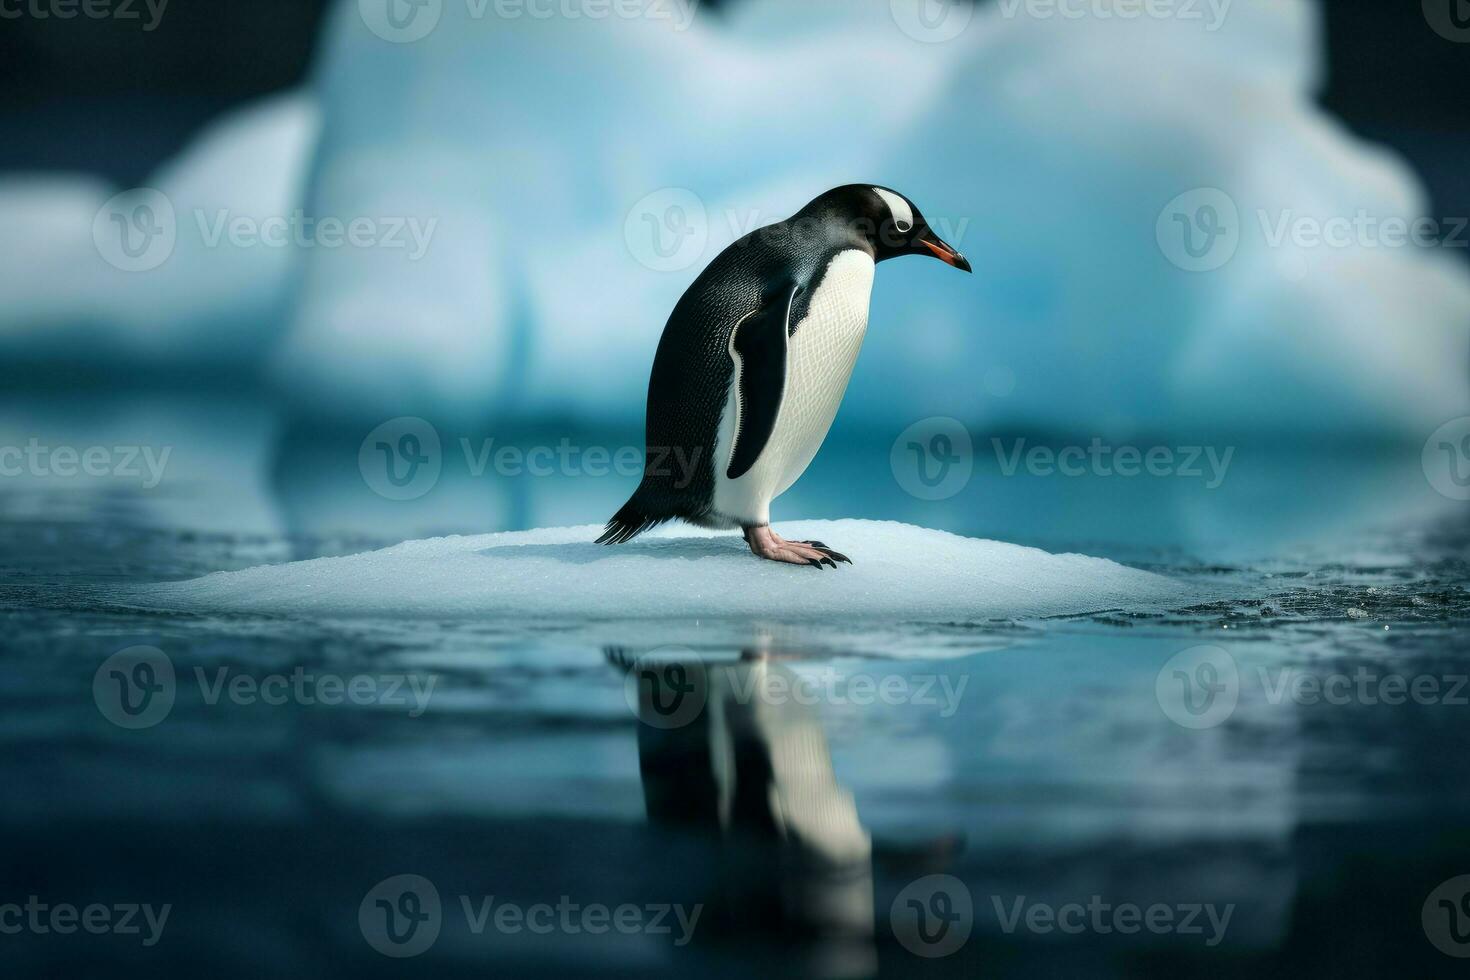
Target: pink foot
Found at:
767, 544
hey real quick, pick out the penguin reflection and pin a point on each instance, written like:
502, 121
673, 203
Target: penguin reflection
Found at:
722, 758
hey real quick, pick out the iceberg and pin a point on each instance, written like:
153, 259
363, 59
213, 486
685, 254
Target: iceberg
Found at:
193, 297
572, 175
1052, 149
902, 574
1091, 147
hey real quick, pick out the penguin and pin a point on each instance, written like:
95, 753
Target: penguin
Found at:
753, 363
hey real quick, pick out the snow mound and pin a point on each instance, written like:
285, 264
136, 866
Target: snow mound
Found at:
901, 572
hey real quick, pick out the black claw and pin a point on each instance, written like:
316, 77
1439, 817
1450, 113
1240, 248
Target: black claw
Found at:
814, 563
829, 557
839, 556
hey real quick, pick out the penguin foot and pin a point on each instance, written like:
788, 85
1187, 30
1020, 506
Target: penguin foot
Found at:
765, 543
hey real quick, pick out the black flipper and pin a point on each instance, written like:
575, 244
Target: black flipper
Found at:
759, 347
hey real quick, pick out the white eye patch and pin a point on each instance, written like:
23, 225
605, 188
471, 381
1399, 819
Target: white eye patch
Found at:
903, 215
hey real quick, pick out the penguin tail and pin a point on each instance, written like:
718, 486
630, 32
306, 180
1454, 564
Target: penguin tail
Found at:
629, 522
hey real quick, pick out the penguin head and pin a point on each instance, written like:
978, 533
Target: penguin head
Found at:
884, 222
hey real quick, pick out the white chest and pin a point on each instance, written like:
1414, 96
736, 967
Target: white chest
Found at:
819, 361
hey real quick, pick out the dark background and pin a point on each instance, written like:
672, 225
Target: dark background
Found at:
104, 97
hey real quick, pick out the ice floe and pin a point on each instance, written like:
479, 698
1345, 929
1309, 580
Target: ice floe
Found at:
900, 573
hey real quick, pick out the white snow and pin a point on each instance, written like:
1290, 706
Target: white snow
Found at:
901, 573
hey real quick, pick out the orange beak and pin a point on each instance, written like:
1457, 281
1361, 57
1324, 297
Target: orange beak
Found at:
944, 253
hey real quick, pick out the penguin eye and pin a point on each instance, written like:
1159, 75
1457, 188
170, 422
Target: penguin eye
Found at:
902, 225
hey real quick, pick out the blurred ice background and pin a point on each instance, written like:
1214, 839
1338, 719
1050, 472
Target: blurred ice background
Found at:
1106, 176
1075, 161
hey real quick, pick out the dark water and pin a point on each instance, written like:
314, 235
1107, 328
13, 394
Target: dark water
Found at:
1272, 780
